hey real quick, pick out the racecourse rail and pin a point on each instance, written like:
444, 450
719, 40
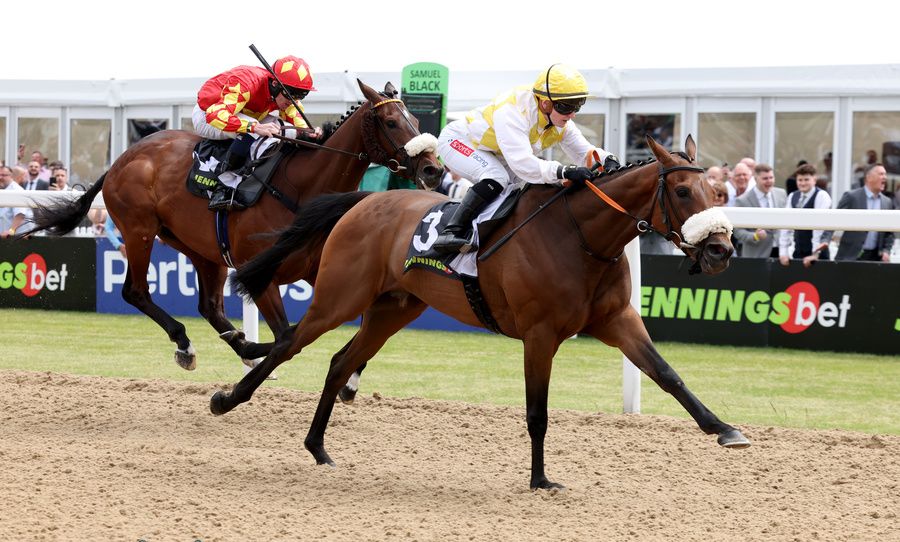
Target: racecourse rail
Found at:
743, 217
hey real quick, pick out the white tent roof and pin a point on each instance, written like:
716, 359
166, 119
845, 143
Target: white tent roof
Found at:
470, 89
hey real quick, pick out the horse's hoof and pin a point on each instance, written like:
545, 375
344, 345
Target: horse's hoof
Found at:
733, 439
251, 363
186, 359
547, 484
217, 404
320, 455
347, 395
233, 335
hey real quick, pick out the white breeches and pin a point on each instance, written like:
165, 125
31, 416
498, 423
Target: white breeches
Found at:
458, 153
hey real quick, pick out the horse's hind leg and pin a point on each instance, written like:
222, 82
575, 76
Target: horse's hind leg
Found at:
379, 323
348, 391
628, 333
136, 291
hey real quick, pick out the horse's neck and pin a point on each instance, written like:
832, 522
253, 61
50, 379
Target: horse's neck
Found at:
607, 228
325, 170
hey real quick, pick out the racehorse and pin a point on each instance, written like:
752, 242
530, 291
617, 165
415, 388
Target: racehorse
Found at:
145, 193
563, 274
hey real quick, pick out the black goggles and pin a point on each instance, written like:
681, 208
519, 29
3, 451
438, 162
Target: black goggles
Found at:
568, 107
298, 93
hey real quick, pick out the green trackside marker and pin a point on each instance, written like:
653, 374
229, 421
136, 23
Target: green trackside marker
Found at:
897, 325
424, 89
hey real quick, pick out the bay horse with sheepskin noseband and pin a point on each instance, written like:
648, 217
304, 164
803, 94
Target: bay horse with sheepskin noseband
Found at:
563, 274
145, 193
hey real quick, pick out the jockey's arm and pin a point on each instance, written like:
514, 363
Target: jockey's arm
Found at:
302, 131
511, 129
223, 115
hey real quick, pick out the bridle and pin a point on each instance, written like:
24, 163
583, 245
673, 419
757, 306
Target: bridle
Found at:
662, 197
398, 161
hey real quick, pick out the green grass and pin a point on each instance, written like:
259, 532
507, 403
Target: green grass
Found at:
781, 387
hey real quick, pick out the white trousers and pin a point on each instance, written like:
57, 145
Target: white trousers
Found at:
473, 164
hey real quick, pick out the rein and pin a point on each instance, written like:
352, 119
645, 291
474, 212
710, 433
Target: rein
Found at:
391, 163
642, 224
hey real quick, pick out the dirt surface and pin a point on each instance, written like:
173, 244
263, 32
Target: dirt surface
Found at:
112, 459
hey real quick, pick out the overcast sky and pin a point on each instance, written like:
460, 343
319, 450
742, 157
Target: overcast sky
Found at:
85, 39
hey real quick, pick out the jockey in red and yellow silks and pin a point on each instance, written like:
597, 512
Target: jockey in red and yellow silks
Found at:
247, 103
245, 90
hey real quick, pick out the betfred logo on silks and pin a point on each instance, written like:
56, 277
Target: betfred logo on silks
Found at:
31, 276
794, 310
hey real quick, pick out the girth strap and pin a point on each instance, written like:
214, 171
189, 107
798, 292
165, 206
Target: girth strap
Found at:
479, 306
222, 237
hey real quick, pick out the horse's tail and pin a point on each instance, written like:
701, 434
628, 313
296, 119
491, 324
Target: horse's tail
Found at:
313, 224
63, 217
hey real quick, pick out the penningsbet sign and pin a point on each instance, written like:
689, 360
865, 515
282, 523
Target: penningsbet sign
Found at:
840, 306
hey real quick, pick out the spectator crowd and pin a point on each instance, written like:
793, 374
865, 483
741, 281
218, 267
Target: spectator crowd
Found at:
747, 184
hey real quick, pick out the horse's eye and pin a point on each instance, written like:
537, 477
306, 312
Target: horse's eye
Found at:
683, 192
391, 124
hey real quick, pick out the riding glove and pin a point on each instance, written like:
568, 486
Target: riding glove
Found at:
578, 174
611, 163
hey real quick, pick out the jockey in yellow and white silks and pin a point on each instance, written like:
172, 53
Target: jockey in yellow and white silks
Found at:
498, 144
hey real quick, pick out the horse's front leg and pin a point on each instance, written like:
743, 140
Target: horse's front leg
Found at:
628, 333
285, 347
271, 307
539, 351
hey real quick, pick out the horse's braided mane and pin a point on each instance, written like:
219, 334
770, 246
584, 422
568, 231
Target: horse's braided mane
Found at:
606, 174
352, 110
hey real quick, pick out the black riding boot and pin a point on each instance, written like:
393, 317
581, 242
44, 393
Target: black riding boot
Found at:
457, 236
237, 155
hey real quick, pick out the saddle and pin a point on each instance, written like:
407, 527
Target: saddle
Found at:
421, 254
209, 153
462, 267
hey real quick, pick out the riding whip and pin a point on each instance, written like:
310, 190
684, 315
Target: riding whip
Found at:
284, 89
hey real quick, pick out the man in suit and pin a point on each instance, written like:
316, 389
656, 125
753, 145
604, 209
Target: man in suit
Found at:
33, 180
871, 246
760, 243
808, 245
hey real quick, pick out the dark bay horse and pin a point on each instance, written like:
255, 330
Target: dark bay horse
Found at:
145, 193
562, 274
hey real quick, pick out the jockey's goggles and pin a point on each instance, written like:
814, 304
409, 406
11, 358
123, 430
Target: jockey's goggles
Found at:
298, 93
567, 107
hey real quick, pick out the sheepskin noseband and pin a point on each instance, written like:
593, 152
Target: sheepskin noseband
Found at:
705, 223
421, 143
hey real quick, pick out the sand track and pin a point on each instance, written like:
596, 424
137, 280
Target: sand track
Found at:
113, 459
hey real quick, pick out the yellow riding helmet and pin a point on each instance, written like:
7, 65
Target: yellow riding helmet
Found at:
560, 82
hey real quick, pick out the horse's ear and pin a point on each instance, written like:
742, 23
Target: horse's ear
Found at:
659, 152
368, 92
690, 148
390, 90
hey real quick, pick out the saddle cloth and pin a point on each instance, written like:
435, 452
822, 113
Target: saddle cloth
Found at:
421, 254
208, 153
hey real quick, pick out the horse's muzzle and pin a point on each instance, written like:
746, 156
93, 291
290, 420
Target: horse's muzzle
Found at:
429, 175
714, 254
